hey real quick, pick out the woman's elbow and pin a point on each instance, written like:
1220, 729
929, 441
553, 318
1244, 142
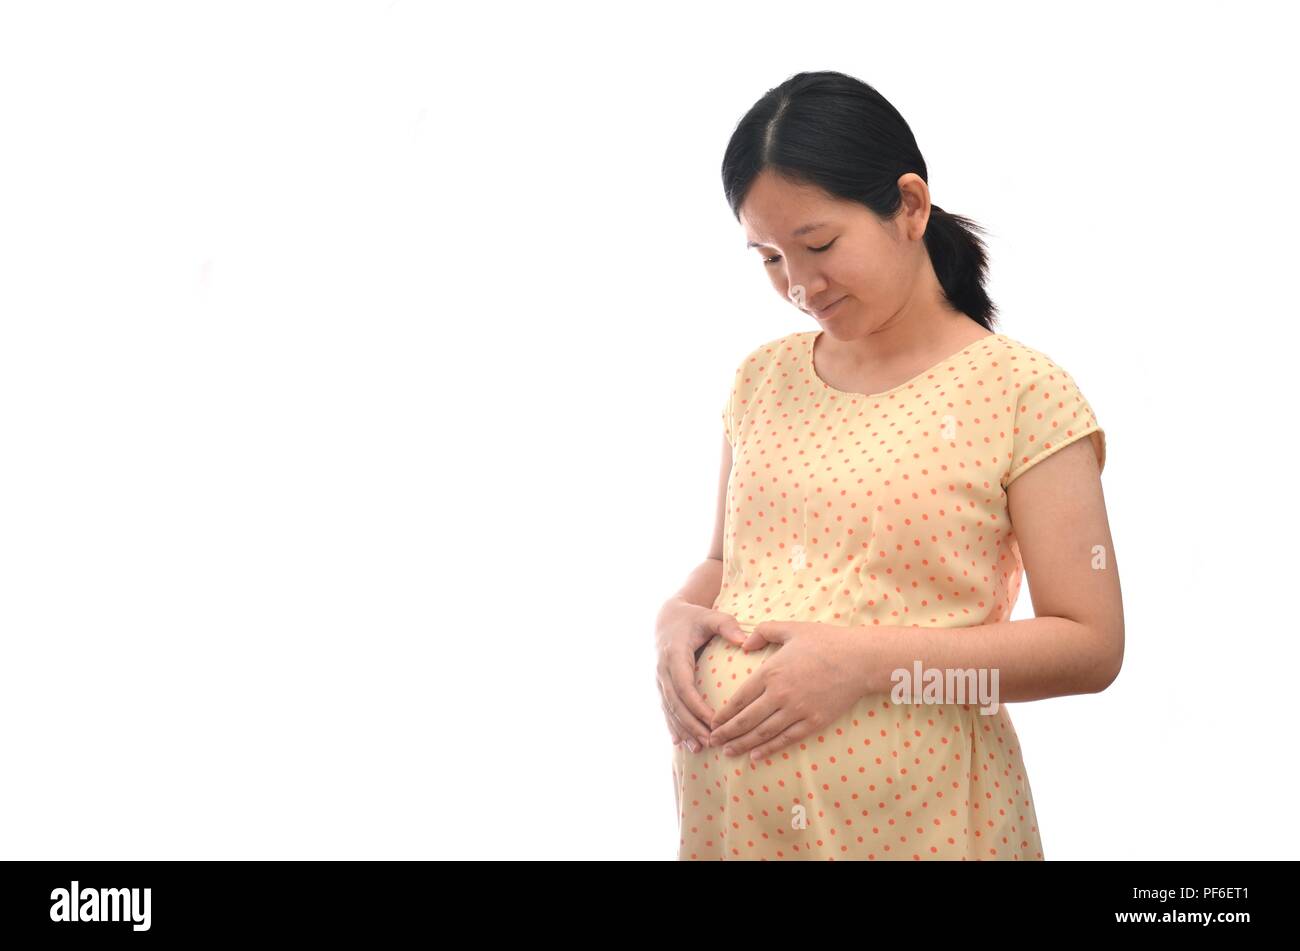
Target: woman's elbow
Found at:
1111, 661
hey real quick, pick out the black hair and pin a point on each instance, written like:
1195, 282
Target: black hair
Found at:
836, 132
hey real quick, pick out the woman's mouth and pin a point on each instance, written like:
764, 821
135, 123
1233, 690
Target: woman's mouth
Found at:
829, 311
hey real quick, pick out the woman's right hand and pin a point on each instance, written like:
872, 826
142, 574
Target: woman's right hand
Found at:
681, 630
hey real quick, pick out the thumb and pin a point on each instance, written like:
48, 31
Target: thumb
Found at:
768, 632
727, 626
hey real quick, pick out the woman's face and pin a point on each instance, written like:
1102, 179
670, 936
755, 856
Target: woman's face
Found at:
852, 272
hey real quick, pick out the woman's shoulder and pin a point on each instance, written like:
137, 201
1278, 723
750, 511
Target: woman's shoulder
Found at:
770, 351
1026, 361
1050, 409
1048, 401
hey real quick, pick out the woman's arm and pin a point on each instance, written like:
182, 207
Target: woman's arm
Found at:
1075, 644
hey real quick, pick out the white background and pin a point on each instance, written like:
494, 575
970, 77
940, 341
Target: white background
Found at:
361, 374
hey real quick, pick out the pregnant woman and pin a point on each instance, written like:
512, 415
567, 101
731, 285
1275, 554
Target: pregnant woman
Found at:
887, 480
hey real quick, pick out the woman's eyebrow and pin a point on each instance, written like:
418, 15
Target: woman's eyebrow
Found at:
797, 233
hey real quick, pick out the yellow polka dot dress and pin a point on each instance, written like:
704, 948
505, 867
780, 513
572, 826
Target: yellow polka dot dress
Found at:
885, 509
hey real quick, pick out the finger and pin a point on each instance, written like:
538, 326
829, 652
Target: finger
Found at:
793, 733
683, 684
728, 627
681, 736
690, 724
674, 729
690, 727
674, 725
762, 718
778, 632
749, 691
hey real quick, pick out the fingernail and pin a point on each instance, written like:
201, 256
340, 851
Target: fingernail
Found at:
703, 742
691, 744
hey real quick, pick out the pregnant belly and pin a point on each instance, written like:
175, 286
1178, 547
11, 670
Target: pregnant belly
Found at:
884, 741
723, 668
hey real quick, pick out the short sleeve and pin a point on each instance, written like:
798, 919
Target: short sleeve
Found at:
727, 417
747, 384
1051, 413
732, 409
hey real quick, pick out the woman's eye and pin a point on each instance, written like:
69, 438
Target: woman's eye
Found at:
825, 247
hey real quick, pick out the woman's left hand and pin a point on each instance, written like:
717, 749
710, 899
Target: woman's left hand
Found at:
819, 672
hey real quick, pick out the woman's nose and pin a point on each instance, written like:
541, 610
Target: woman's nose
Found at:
799, 295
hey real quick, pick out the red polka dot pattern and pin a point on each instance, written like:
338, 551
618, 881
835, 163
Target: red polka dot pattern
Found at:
881, 509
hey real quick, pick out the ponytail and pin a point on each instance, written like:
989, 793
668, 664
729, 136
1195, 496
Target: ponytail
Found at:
960, 261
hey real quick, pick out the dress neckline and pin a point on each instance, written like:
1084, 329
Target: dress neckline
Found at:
811, 339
